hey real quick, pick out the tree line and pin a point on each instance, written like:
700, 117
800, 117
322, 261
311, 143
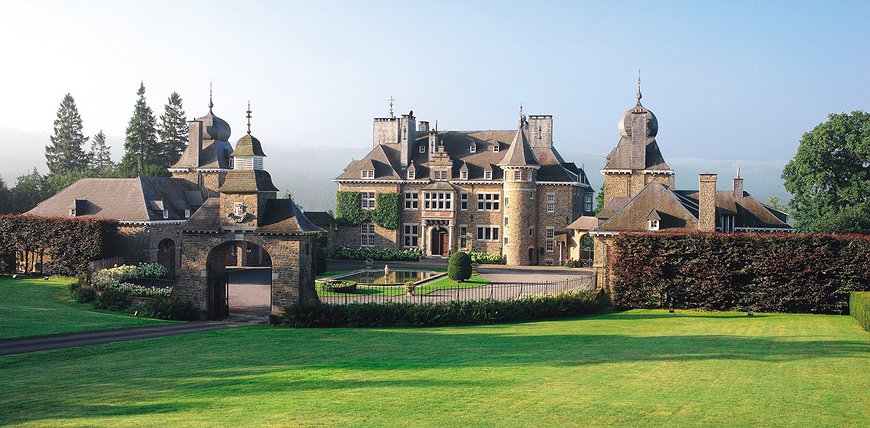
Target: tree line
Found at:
150, 147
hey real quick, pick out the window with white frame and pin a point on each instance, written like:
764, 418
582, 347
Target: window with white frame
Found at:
531, 231
488, 202
495, 147
463, 237
410, 235
518, 175
367, 235
551, 239
438, 201
422, 148
440, 175
463, 201
412, 200
487, 233
551, 202
367, 200
653, 225
463, 175
368, 174
588, 203
472, 148
487, 175
187, 213
412, 175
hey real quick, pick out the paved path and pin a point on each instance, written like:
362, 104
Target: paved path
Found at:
71, 340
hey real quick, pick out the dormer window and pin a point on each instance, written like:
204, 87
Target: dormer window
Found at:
187, 213
422, 148
412, 175
72, 212
653, 225
472, 148
487, 175
368, 174
165, 214
495, 147
463, 175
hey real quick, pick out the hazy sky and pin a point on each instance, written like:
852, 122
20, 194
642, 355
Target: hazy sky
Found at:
727, 79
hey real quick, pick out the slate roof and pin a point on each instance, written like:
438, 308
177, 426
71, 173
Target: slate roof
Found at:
139, 199
456, 143
320, 218
248, 180
678, 211
620, 156
248, 145
520, 151
216, 149
280, 216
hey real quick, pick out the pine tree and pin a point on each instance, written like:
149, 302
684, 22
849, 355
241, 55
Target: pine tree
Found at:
173, 131
100, 155
140, 146
65, 154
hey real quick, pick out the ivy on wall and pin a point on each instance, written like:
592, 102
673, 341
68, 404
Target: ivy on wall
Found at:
387, 212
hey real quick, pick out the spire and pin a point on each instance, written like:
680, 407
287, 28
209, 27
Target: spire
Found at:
249, 117
639, 95
522, 118
391, 106
210, 103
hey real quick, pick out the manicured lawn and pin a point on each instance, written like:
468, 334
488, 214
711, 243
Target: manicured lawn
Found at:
33, 306
328, 274
380, 290
638, 368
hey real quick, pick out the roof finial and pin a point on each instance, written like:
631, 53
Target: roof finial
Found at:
249, 117
210, 103
391, 106
522, 118
639, 95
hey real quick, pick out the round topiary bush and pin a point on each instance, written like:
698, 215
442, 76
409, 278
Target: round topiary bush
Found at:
459, 266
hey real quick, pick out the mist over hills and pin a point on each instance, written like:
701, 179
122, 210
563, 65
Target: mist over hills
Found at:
307, 172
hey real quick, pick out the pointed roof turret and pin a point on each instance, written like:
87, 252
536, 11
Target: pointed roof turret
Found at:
520, 151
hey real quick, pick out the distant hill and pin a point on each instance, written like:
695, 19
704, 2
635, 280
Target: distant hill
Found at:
307, 172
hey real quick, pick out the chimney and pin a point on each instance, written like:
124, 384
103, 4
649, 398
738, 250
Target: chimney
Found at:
194, 137
433, 142
738, 185
707, 202
423, 127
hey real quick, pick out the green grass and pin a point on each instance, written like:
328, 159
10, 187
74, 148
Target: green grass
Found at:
328, 274
33, 306
439, 284
638, 368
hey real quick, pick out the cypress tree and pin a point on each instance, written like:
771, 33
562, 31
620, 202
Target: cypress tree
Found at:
100, 154
140, 146
65, 153
173, 131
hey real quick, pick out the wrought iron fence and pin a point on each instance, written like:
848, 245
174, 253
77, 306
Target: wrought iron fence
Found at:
435, 292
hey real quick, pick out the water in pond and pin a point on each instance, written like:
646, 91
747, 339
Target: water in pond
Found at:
393, 278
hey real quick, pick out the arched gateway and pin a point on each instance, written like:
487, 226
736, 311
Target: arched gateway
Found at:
247, 214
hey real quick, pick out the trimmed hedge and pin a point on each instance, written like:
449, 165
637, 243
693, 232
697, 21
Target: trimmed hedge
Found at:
70, 242
459, 266
859, 308
532, 307
761, 272
384, 254
485, 258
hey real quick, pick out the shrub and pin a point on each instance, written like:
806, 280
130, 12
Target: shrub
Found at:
113, 300
127, 272
859, 308
339, 286
171, 308
532, 307
760, 272
84, 294
384, 254
486, 259
570, 263
459, 266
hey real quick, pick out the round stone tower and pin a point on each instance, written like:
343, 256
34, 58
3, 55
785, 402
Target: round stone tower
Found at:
520, 168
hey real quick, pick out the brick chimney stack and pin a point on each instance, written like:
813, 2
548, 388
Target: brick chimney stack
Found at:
738, 185
707, 202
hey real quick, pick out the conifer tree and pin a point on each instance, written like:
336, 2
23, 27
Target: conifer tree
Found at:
140, 146
100, 155
65, 153
173, 131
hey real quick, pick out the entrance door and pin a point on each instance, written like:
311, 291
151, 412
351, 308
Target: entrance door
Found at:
532, 256
439, 242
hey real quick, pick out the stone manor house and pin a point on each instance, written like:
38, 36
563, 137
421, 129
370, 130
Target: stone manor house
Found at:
500, 192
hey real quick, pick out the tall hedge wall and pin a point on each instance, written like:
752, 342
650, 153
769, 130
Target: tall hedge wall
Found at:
762, 272
387, 212
71, 242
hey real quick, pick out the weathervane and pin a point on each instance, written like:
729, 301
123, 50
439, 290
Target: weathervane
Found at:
391, 106
639, 95
249, 117
210, 103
